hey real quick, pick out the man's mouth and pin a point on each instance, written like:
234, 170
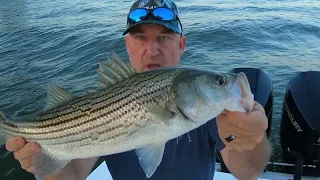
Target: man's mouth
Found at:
152, 66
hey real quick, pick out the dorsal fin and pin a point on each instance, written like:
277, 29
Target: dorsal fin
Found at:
114, 70
57, 96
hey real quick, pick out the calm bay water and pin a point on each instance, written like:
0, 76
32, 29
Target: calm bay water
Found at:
45, 42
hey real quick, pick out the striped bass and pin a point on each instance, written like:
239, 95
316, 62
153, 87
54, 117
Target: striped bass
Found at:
133, 111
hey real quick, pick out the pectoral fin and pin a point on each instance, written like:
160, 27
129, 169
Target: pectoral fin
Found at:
150, 157
161, 114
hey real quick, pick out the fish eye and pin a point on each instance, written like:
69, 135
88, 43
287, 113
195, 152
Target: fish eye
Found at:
221, 80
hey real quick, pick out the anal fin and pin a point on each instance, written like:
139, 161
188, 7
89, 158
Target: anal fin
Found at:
45, 165
150, 157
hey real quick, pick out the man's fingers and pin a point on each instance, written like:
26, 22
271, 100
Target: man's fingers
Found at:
247, 128
23, 151
252, 121
27, 164
261, 137
15, 143
27, 151
30, 170
232, 128
258, 107
233, 146
252, 136
243, 144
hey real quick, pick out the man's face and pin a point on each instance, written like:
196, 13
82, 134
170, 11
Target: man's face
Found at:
152, 46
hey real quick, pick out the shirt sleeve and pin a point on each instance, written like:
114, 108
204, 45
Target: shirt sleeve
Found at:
214, 135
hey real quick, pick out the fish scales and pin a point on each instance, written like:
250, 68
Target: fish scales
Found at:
110, 110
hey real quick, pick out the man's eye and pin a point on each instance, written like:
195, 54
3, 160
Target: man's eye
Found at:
164, 37
140, 37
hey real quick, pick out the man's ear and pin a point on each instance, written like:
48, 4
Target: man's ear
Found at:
127, 40
182, 44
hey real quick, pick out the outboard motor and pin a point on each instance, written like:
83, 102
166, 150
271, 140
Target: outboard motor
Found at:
262, 88
300, 124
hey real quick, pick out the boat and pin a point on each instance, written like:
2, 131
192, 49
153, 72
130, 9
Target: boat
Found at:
102, 173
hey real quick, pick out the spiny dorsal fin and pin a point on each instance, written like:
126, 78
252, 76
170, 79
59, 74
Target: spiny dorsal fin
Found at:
57, 96
114, 70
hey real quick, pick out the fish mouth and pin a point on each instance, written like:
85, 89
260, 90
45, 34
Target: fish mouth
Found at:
242, 91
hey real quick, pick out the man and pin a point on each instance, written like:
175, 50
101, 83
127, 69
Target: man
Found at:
154, 39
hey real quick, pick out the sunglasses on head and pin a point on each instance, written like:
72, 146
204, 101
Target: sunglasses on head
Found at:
163, 14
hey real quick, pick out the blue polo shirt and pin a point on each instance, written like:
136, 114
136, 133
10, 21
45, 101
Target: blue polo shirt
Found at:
188, 157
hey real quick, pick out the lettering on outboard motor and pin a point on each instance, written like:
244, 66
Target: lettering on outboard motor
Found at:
317, 143
292, 120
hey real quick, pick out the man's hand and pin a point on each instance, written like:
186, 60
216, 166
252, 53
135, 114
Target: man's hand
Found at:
23, 151
247, 149
243, 131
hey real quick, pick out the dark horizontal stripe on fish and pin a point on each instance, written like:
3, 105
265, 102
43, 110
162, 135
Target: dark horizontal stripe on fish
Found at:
68, 116
65, 112
74, 124
71, 119
79, 115
46, 122
111, 137
86, 137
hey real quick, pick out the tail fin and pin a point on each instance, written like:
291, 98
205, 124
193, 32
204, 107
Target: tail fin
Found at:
2, 139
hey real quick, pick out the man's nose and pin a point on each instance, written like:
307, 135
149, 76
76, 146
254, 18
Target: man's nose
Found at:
152, 48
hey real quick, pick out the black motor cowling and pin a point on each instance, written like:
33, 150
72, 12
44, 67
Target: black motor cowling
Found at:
300, 123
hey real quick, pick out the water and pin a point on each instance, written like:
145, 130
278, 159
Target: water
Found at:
61, 42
